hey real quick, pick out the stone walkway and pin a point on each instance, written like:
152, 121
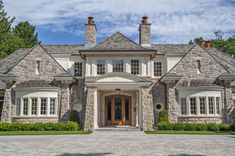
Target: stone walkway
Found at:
108, 143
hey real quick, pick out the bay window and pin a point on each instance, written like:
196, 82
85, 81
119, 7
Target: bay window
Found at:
52, 106
34, 106
183, 106
25, 106
202, 101
211, 105
43, 106
193, 105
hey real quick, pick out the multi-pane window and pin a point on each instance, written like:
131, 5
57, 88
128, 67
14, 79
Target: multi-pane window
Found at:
43, 106
100, 67
25, 106
183, 106
135, 67
34, 106
52, 106
193, 105
218, 105
18, 106
211, 105
78, 69
157, 68
202, 101
118, 66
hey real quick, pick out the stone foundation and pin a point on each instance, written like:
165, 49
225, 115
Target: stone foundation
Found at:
35, 119
200, 120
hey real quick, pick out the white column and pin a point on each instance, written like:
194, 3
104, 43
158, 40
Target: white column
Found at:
197, 106
143, 67
88, 69
21, 107
207, 106
39, 106
95, 109
137, 109
215, 109
140, 109
48, 106
94, 73
29, 106
109, 66
128, 66
188, 106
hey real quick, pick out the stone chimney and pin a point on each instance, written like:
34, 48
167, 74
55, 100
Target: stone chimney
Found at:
145, 32
205, 44
90, 33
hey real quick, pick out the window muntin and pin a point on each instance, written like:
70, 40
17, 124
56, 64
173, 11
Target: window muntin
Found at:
25, 106
157, 68
118, 66
52, 106
78, 69
100, 67
135, 67
193, 105
202, 102
218, 105
183, 106
34, 106
211, 105
43, 106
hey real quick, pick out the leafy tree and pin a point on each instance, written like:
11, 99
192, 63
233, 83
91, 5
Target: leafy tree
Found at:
26, 32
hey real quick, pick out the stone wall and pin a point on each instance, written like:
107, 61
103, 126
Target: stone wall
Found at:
89, 110
7, 106
35, 119
200, 120
145, 34
147, 108
90, 35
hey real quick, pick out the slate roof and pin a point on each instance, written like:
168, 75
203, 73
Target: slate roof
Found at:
117, 42
63, 49
35, 83
169, 49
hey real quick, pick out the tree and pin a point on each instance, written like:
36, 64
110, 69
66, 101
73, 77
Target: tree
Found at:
26, 32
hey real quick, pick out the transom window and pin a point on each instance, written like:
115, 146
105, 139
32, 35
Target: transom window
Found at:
52, 106
135, 69
25, 106
193, 105
118, 66
43, 106
34, 106
78, 69
211, 105
202, 101
183, 106
157, 68
100, 67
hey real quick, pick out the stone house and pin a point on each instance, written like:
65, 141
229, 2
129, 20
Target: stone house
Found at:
118, 82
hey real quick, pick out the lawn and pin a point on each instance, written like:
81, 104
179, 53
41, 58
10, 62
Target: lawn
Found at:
2, 133
190, 132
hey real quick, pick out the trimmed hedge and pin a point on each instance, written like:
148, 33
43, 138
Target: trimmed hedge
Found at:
195, 127
20, 126
163, 116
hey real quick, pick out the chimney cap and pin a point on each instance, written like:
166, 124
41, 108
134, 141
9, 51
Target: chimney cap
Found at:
90, 20
144, 20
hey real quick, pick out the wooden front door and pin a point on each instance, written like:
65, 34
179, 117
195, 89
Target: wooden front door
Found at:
118, 110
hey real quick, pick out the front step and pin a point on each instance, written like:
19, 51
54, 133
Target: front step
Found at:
118, 128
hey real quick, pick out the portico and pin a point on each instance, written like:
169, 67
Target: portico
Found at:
117, 100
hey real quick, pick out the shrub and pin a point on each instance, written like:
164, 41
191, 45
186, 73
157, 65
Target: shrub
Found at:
72, 126
201, 127
232, 127
190, 127
165, 126
163, 116
224, 127
37, 127
213, 127
4, 126
74, 116
179, 126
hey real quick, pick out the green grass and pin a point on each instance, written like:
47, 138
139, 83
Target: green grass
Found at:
190, 132
2, 133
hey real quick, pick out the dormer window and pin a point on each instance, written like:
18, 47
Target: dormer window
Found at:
199, 67
38, 66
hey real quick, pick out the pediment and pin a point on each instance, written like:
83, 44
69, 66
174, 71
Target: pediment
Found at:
115, 79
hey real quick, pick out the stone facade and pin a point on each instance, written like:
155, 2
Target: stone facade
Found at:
90, 35
145, 34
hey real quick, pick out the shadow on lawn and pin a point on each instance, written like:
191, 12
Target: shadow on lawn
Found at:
87, 154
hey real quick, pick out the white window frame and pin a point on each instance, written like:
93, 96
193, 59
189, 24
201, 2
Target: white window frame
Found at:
213, 105
25, 110
194, 112
117, 68
135, 66
156, 69
46, 105
78, 69
55, 106
32, 106
183, 107
200, 107
100, 67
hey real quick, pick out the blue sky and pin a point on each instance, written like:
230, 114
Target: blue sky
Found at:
173, 21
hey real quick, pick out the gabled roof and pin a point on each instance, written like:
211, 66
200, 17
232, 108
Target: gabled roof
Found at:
117, 42
171, 49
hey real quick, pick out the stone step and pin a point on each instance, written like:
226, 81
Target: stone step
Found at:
117, 129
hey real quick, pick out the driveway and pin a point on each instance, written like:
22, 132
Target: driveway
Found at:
118, 143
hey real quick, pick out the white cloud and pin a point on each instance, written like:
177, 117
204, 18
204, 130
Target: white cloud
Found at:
172, 21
